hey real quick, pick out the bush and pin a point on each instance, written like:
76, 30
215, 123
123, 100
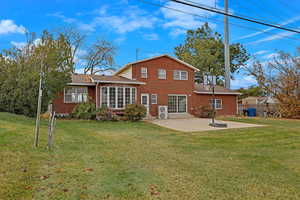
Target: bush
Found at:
204, 112
85, 110
135, 112
106, 114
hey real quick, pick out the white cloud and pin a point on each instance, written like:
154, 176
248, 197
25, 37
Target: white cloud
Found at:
64, 18
270, 56
130, 20
273, 37
243, 81
151, 36
180, 22
292, 20
8, 26
260, 52
18, 45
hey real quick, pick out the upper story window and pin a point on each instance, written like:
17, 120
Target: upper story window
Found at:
144, 72
75, 94
216, 102
180, 75
162, 74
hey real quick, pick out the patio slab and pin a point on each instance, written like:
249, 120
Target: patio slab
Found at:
198, 124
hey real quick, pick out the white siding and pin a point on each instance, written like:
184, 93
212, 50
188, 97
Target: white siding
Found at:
127, 73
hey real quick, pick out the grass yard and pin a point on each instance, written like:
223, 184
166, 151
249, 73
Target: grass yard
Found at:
123, 160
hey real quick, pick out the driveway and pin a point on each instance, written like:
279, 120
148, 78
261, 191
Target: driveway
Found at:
197, 124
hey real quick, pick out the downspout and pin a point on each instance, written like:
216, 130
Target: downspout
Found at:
97, 105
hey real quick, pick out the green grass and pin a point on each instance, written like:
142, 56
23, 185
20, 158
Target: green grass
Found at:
123, 160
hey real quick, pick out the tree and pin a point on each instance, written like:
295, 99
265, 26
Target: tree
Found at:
204, 49
254, 91
280, 78
20, 70
99, 57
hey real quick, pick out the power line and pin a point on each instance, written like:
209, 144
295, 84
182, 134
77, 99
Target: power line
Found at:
218, 21
235, 16
242, 15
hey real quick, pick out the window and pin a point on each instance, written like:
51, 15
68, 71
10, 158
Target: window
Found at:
153, 98
177, 103
117, 97
218, 103
144, 72
180, 75
76, 94
162, 74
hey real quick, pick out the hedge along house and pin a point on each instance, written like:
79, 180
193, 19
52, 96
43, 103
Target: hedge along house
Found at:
153, 82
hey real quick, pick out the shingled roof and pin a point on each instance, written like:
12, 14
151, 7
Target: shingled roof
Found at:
206, 89
85, 79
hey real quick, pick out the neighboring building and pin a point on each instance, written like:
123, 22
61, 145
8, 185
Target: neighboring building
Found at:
153, 82
261, 104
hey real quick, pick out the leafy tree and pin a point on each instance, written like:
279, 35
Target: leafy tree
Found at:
281, 80
204, 49
254, 91
20, 71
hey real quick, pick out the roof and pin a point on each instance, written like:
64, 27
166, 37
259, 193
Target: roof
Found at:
113, 79
86, 79
155, 57
81, 79
206, 89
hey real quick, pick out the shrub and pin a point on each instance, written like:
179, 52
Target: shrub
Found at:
85, 110
105, 114
135, 112
204, 112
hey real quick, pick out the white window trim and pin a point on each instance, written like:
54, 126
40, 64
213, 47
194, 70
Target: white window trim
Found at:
155, 98
216, 103
180, 72
76, 87
116, 96
144, 72
164, 74
186, 109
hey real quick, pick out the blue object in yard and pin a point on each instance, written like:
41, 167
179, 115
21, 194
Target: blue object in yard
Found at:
251, 112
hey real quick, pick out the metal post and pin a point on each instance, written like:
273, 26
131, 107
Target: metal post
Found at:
38, 113
226, 46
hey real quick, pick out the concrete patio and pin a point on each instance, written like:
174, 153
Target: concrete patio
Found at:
197, 124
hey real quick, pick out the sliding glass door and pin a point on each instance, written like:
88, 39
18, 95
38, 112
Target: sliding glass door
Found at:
177, 103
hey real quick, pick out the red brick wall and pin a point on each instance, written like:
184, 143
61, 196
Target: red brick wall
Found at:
61, 107
162, 87
229, 103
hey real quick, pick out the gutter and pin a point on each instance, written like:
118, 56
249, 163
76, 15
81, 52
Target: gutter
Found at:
230, 93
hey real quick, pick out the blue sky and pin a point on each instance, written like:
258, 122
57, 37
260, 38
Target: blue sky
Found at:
131, 24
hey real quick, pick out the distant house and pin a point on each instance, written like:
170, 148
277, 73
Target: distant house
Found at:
153, 82
261, 104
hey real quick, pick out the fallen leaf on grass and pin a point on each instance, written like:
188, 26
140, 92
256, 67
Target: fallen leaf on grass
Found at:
28, 187
153, 190
65, 190
88, 169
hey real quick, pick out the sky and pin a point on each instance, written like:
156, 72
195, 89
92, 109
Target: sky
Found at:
133, 24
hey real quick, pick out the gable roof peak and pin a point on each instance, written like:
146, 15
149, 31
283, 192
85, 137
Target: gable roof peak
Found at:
155, 57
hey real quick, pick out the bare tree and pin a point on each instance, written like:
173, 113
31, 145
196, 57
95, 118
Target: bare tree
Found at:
99, 57
280, 78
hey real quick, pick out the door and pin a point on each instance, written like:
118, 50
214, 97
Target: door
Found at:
177, 103
145, 101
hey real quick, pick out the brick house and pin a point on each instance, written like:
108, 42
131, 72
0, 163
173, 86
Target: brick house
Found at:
161, 80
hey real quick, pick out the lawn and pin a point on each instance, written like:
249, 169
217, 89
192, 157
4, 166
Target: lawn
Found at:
123, 160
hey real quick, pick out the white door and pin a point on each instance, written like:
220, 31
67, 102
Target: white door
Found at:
145, 101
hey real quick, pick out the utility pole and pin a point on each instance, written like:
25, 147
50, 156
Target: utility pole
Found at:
226, 46
38, 113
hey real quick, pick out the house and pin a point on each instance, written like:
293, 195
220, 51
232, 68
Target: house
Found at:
161, 80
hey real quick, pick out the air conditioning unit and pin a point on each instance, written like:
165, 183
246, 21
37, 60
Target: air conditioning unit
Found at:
162, 112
